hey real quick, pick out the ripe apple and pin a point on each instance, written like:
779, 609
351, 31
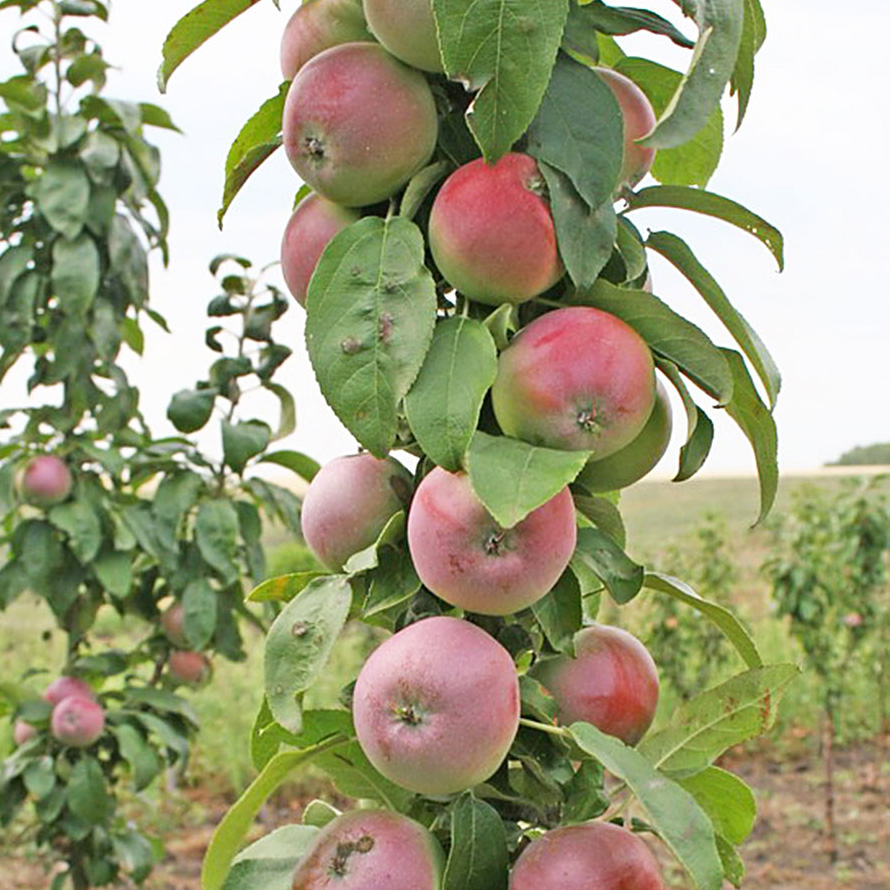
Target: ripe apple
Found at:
370, 850
23, 732
45, 481
589, 856
173, 625
64, 687
348, 504
612, 682
436, 706
578, 379
307, 233
77, 721
318, 25
358, 123
189, 667
639, 120
491, 232
638, 457
407, 28
463, 556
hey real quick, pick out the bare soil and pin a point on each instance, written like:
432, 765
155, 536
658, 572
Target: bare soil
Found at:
786, 851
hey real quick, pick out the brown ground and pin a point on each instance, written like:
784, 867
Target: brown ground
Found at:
785, 852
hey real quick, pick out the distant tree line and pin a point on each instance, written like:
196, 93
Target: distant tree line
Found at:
861, 455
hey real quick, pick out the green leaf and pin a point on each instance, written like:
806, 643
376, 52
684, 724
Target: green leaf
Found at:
579, 131
585, 795
619, 21
257, 140
668, 334
421, 185
699, 429
370, 313
622, 577
62, 194
710, 204
693, 162
199, 602
142, 759
299, 643
560, 613
40, 776
756, 422
75, 273
244, 440
114, 570
352, 774
727, 800
87, 797
80, 523
753, 35
444, 403
216, 534
585, 237
193, 29
237, 822
478, 859
733, 864
512, 478
287, 421
672, 811
724, 619
603, 513
129, 262
713, 61
505, 50
701, 729
268, 864
305, 467
677, 252
390, 583
173, 499
283, 588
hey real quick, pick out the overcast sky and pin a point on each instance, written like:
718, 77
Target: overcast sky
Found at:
809, 158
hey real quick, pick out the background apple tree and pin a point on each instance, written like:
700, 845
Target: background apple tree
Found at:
95, 512
407, 361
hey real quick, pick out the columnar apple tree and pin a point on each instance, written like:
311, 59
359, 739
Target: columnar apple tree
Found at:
478, 296
96, 514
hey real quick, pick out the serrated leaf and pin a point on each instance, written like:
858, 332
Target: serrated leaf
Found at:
672, 811
370, 313
753, 35
701, 729
720, 33
668, 334
512, 478
444, 403
599, 552
299, 643
756, 422
237, 821
710, 204
256, 141
678, 253
193, 29
478, 859
693, 162
603, 513
505, 50
726, 799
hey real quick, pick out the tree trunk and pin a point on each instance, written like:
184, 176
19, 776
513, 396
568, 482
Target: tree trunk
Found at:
828, 754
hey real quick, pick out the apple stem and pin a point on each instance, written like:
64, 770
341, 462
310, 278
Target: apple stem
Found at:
560, 731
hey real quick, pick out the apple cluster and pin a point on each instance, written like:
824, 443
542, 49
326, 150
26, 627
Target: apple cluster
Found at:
359, 121
77, 720
184, 665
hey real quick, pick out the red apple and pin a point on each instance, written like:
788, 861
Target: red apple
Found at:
307, 233
436, 706
23, 732
491, 232
64, 687
371, 850
318, 25
173, 625
638, 457
358, 123
639, 120
577, 379
590, 856
188, 667
348, 504
463, 556
612, 682
407, 28
46, 481
77, 721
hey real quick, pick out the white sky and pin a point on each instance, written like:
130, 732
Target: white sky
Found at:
808, 158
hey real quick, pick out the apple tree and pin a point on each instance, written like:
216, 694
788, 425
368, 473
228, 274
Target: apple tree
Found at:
482, 304
97, 515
